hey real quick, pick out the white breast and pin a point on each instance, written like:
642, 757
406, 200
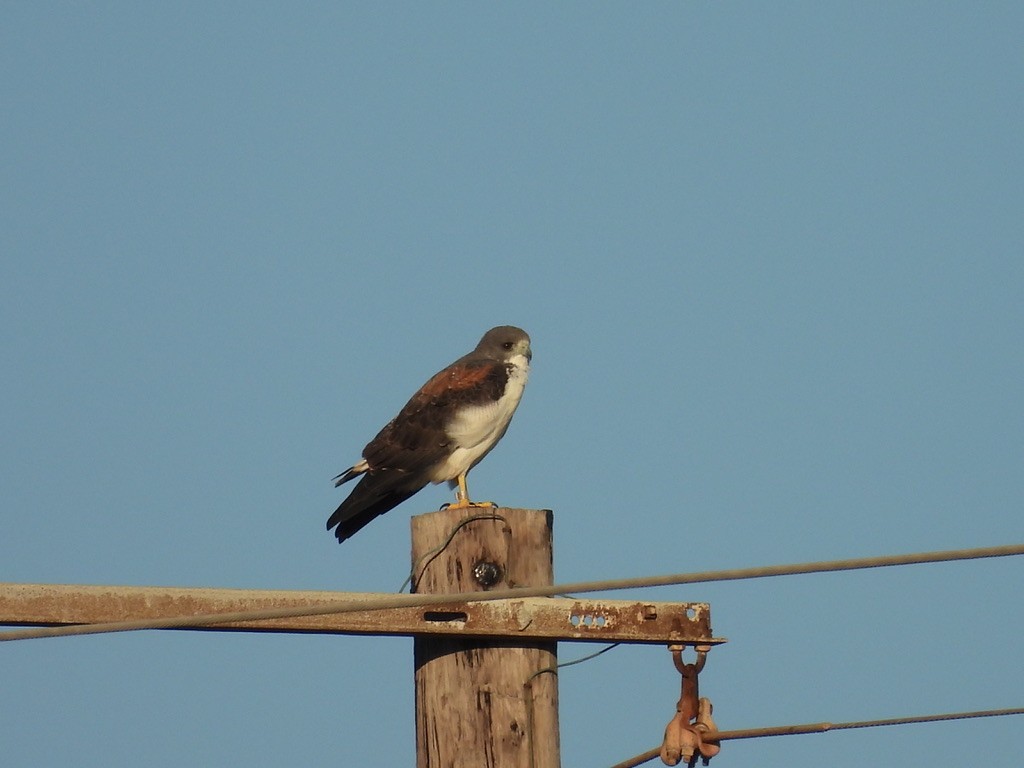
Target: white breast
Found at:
477, 429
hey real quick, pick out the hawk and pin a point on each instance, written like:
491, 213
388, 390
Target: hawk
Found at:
445, 429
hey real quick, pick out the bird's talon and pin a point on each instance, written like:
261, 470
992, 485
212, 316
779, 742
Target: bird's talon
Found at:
467, 504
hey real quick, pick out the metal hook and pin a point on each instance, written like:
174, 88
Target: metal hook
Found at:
683, 737
677, 657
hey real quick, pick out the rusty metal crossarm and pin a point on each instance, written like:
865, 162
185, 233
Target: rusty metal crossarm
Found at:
626, 621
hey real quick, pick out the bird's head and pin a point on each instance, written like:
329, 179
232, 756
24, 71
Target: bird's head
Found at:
505, 343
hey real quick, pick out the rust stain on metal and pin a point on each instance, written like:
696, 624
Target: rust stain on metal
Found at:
526, 618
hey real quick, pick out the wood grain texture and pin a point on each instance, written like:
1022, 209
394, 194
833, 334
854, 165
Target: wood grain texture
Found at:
481, 703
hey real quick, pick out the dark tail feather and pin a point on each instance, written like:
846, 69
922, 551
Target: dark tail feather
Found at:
373, 496
344, 477
350, 522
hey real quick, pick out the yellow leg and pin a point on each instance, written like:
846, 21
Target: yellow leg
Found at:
462, 496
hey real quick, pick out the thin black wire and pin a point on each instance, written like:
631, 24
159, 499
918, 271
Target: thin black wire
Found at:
588, 657
563, 664
430, 554
528, 686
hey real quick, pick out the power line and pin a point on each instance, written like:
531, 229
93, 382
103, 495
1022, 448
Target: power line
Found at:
793, 730
421, 601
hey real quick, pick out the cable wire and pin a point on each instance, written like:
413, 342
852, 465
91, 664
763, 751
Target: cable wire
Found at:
422, 601
430, 554
528, 689
793, 730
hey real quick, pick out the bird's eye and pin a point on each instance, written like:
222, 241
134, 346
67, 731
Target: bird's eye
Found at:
507, 345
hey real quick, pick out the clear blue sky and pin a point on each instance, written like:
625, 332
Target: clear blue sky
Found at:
772, 260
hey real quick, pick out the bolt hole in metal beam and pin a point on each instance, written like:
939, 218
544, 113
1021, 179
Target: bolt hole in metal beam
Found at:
588, 620
446, 616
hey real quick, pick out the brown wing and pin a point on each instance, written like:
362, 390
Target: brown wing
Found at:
416, 438
402, 454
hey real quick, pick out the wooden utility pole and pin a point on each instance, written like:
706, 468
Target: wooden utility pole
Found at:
486, 688
484, 703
